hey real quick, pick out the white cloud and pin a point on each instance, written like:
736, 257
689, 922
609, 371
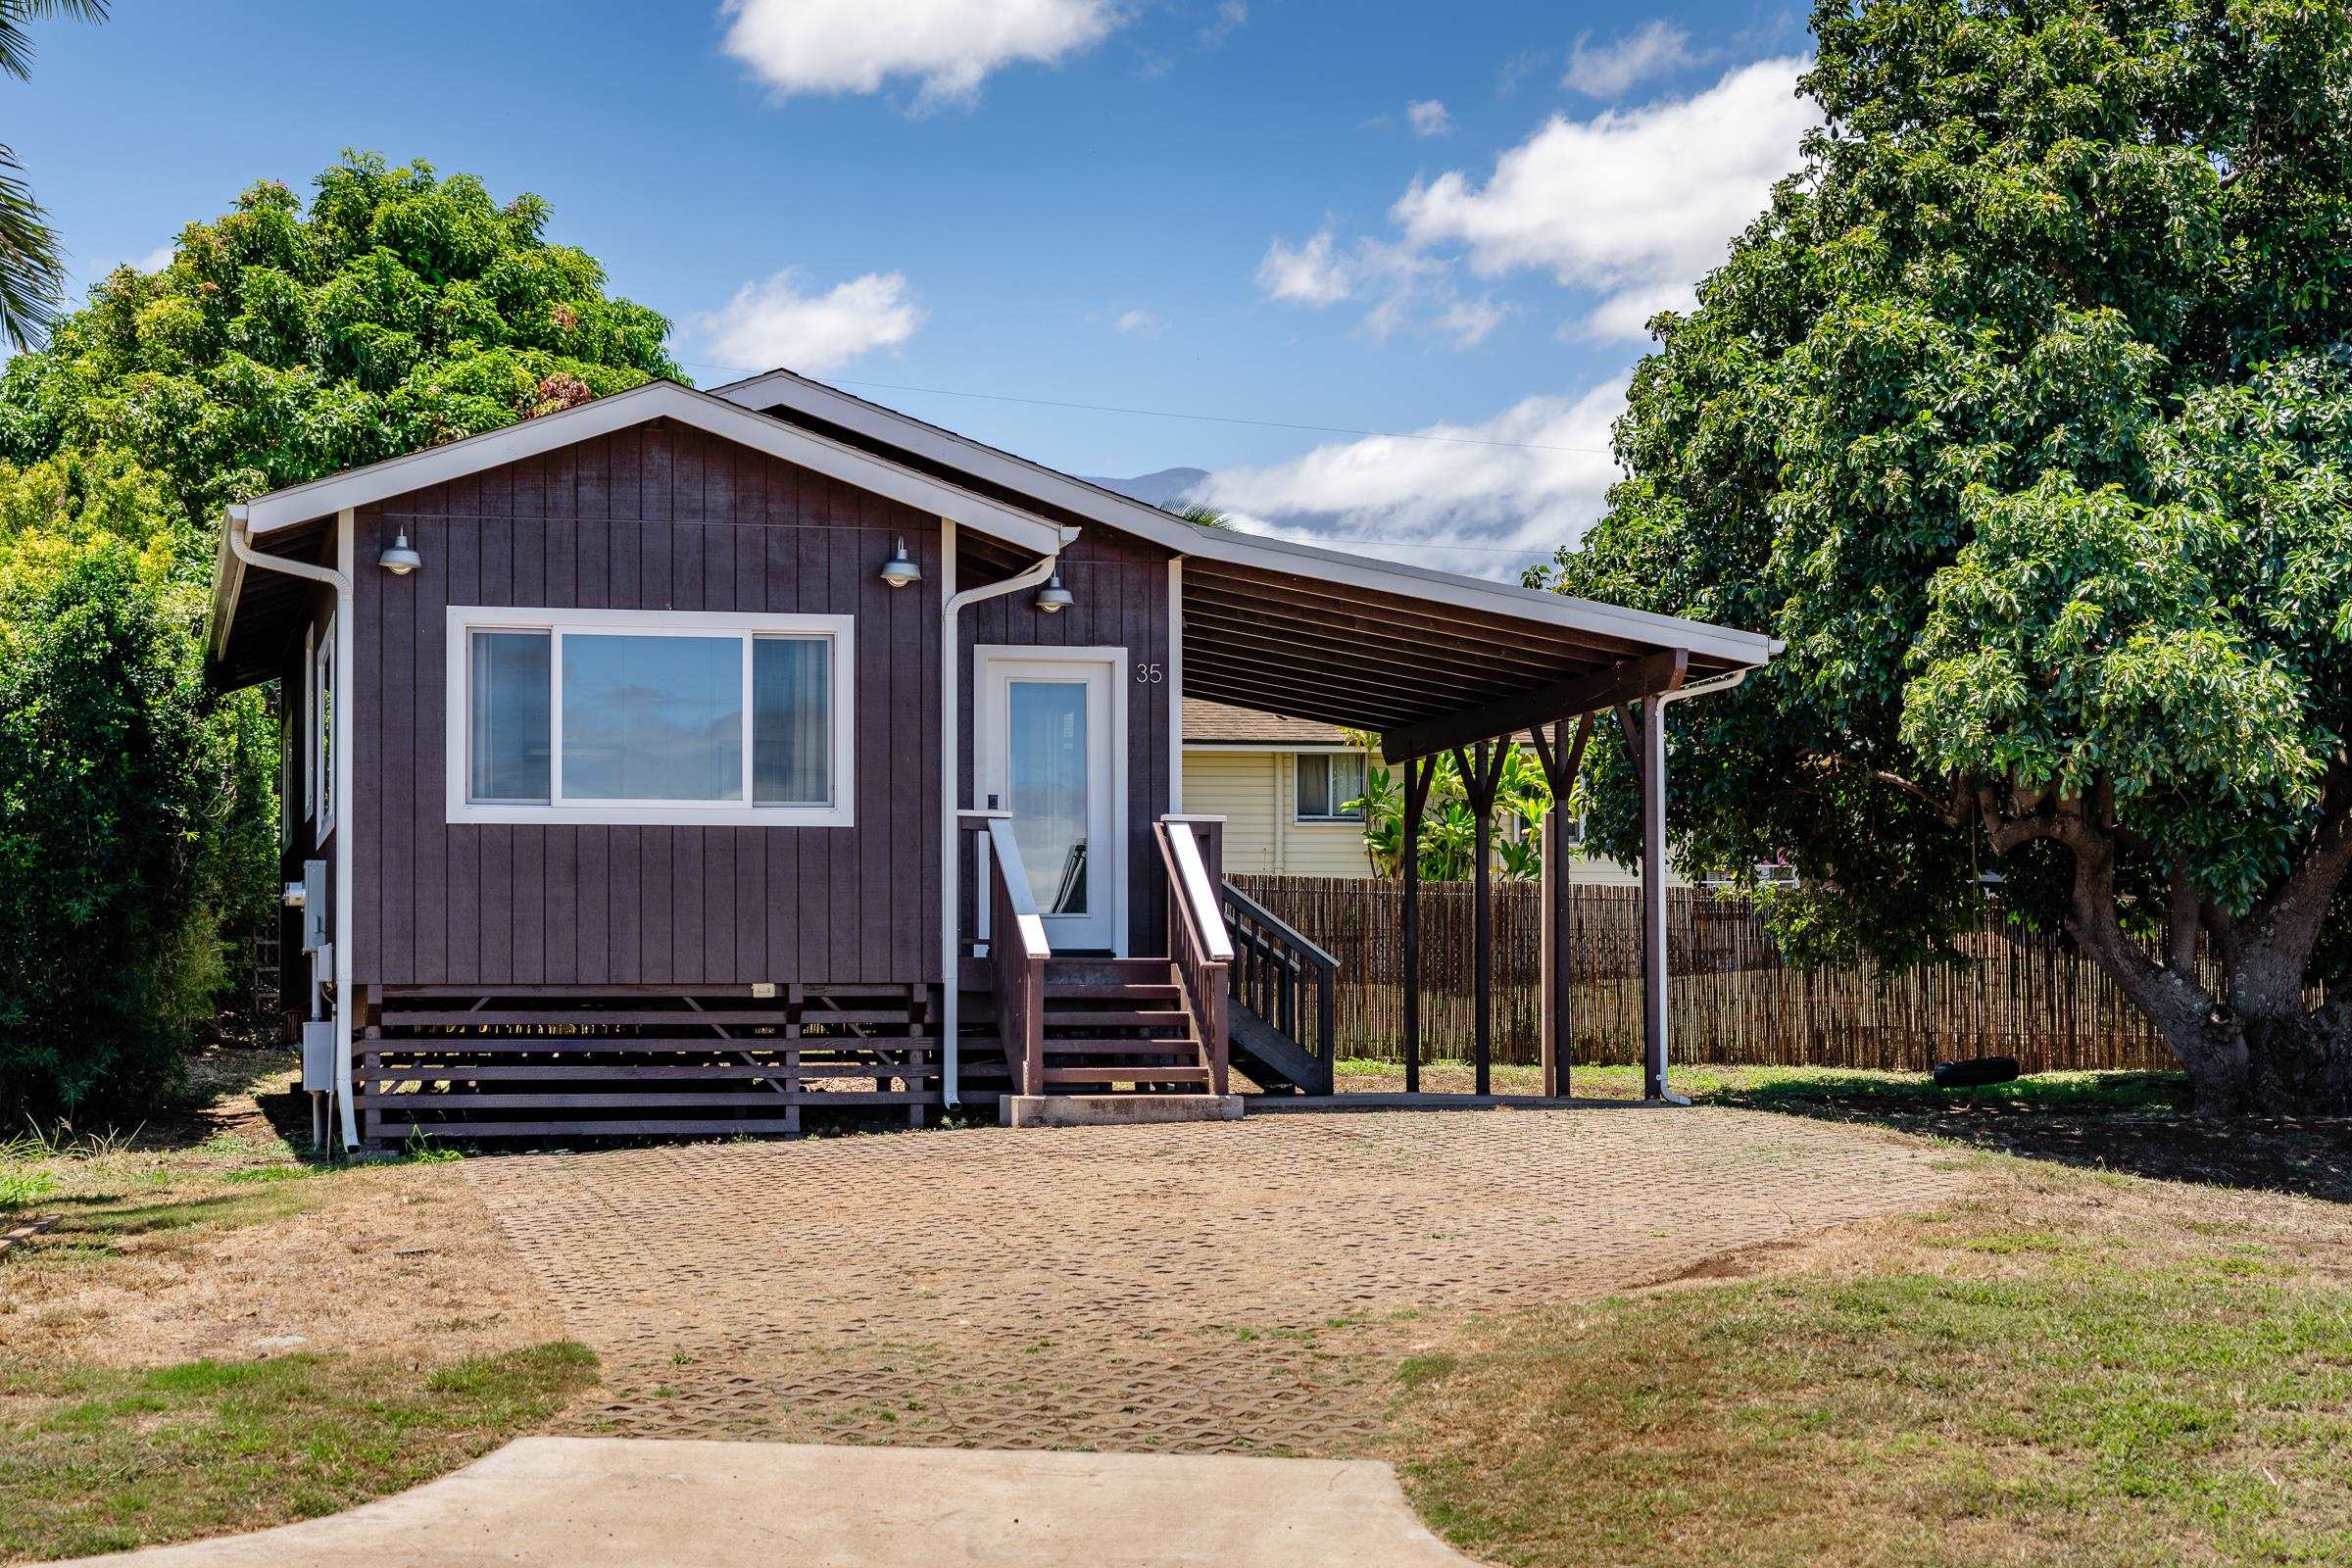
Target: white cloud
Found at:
1486, 498
1141, 323
1650, 50
1428, 118
1304, 275
1636, 205
1405, 288
948, 46
772, 323
1231, 16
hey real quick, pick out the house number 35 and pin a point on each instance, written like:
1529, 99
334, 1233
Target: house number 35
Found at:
1149, 674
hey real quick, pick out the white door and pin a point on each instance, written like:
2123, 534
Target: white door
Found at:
1052, 743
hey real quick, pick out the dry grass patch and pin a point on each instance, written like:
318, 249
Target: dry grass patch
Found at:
2064, 1368
219, 1334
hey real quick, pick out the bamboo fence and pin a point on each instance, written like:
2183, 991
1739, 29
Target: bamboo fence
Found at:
1732, 998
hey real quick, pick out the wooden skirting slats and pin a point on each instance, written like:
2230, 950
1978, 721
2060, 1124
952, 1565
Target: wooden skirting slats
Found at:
513, 1061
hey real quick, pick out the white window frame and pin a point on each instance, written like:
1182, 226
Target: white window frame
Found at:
1338, 818
466, 619
318, 721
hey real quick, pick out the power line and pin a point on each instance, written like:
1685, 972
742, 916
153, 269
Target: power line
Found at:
1203, 418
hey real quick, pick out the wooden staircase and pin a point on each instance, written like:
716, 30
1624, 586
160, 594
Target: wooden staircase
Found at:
1110, 1026
1238, 985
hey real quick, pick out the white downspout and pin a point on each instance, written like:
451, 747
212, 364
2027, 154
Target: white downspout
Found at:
950, 654
234, 528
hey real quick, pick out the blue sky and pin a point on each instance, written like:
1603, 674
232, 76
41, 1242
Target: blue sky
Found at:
1373, 217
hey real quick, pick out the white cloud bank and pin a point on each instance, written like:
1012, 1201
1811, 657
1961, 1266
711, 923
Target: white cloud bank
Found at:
1609, 70
1485, 499
948, 46
772, 323
1634, 205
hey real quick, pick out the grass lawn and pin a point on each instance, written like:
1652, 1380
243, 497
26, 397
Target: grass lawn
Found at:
217, 1334
2072, 1365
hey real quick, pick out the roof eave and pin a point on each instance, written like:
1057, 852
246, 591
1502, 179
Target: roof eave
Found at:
1126, 513
549, 432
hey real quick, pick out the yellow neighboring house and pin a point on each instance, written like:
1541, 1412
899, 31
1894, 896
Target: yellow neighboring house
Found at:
1282, 784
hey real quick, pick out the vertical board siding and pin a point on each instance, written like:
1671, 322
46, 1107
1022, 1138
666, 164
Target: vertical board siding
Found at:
660, 517
1121, 586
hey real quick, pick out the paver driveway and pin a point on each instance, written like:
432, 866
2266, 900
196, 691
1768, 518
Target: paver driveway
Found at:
1203, 1288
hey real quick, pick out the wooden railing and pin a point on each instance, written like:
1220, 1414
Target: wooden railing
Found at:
1016, 951
1280, 975
1198, 943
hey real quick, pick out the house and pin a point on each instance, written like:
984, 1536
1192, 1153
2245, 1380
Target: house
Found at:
1283, 787
685, 760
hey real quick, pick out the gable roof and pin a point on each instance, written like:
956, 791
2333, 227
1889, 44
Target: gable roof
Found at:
656, 400
1209, 723
1721, 646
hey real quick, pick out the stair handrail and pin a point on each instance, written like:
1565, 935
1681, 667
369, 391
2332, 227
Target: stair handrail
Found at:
1017, 952
1199, 945
1258, 927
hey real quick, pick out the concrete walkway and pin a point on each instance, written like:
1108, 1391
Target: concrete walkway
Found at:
609, 1502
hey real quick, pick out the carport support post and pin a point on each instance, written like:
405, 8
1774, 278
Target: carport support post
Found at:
1653, 744
1481, 767
1561, 759
1417, 775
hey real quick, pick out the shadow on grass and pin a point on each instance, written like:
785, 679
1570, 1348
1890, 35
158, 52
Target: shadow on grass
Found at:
2137, 1123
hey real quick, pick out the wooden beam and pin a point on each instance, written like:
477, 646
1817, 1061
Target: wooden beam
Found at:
1562, 764
1481, 771
1418, 775
1635, 678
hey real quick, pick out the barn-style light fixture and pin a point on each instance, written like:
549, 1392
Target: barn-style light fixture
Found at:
1052, 599
397, 557
899, 571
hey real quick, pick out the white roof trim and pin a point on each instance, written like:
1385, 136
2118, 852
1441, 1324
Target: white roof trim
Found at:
834, 406
656, 400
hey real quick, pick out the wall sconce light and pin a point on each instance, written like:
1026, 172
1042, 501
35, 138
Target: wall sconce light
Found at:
397, 557
899, 571
1052, 599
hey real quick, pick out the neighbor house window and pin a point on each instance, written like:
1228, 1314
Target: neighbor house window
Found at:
649, 716
1327, 782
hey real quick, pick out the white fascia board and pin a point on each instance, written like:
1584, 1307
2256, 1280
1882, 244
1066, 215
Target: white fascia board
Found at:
656, 400
871, 420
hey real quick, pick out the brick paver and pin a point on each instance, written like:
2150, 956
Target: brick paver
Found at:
1205, 1288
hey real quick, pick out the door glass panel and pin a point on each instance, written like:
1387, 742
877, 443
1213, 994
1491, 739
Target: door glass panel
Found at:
653, 718
1045, 757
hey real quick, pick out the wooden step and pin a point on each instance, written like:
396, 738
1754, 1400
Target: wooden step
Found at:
1172, 1046
1126, 1075
1110, 991
1128, 1018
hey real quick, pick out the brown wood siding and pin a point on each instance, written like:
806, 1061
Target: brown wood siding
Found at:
1121, 585
658, 517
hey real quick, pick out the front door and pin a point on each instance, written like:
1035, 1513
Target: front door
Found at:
1052, 744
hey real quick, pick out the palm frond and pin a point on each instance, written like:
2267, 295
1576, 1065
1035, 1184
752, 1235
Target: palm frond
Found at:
32, 266
1199, 515
15, 42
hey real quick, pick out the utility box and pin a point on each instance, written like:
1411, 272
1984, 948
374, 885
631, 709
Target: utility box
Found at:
313, 905
319, 1056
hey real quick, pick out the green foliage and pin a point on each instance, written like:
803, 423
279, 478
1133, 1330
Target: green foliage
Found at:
138, 808
2023, 416
111, 784
401, 310
1448, 847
